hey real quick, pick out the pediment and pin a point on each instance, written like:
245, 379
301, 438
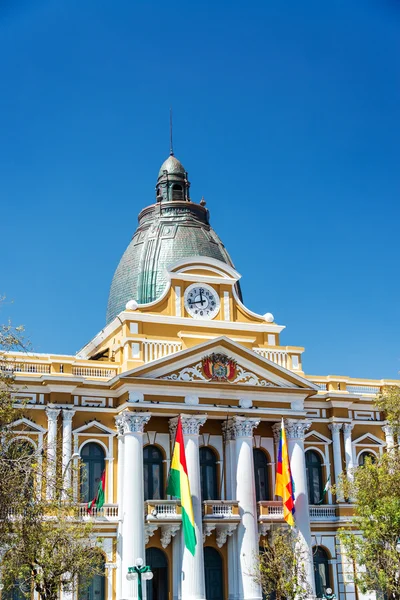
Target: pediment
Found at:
221, 361
369, 439
314, 437
27, 426
94, 427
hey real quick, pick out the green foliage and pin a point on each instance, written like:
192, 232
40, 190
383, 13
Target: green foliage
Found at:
281, 566
375, 490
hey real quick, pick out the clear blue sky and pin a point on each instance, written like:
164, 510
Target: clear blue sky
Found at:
287, 117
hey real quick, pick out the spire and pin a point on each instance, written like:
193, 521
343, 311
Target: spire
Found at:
171, 146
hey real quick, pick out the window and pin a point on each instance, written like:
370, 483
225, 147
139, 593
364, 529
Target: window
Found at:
321, 571
363, 456
153, 473
208, 474
158, 587
213, 574
314, 477
261, 474
95, 590
92, 469
177, 193
19, 591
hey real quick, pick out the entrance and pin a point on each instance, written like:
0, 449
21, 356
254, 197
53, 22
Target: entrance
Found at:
157, 588
213, 573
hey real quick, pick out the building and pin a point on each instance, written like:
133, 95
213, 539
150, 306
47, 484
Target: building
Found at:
179, 341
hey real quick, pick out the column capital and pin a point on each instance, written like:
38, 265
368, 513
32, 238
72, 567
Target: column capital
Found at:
347, 428
119, 423
240, 427
190, 424
296, 429
335, 427
387, 429
276, 430
132, 422
52, 413
68, 414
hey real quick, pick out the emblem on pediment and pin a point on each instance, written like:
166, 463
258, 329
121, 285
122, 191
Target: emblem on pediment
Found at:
218, 367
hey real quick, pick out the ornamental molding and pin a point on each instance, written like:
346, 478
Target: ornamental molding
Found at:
335, 427
167, 533
347, 428
190, 424
149, 531
208, 528
68, 414
223, 532
239, 427
130, 422
219, 368
52, 413
296, 429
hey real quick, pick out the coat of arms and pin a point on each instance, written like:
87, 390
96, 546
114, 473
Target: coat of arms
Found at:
219, 367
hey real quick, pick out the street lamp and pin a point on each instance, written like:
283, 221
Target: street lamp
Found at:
139, 571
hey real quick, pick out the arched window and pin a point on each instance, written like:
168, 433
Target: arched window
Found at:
314, 477
93, 462
153, 473
208, 474
363, 456
177, 192
21, 451
96, 589
19, 591
261, 474
213, 574
321, 571
158, 587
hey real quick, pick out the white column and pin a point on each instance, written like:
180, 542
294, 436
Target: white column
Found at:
119, 574
67, 449
348, 449
389, 436
276, 430
247, 536
132, 425
193, 583
295, 431
337, 456
176, 567
230, 478
52, 414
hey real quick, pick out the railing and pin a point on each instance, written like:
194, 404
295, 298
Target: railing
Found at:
11, 367
363, 389
322, 386
270, 510
108, 511
161, 510
94, 372
323, 513
155, 349
280, 357
220, 509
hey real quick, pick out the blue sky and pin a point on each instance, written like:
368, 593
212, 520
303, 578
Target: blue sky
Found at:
287, 117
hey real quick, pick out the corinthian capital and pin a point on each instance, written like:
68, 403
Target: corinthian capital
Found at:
296, 429
335, 427
347, 428
190, 424
242, 427
130, 422
68, 414
276, 430
52, 413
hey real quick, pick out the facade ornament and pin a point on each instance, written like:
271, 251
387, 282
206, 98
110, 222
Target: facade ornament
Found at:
167, 533
191, 400
195, 373
149, 531
208, 528
242, 427
335, 427
68, 414
52, 413
263, 529
296, 429
348, 428
276, 430
227, 431
190, 424
135, 396
219, 367
223, 532
245, 403
119, 422
132, 422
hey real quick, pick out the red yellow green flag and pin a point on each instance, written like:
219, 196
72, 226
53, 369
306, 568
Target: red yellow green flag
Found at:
178, 486
284, 482
98, 501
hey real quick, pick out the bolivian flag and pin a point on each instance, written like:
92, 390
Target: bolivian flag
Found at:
178, 486
98, 501
284, 482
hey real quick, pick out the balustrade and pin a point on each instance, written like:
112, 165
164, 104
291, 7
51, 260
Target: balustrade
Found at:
155, 349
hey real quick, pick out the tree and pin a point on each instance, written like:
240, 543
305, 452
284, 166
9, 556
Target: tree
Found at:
281, 566
44, 544
375, 488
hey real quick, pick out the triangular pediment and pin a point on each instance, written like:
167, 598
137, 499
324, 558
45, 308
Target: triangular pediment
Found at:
221, 361
314, 437
26, 426
369, 439
94, 427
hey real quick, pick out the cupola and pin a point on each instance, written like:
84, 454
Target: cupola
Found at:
172, 182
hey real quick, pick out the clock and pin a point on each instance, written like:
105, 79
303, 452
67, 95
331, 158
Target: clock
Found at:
201, 301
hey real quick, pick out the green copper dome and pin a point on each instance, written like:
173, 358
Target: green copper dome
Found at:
172, 229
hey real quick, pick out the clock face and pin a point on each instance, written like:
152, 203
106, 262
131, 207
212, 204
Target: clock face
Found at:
201, 301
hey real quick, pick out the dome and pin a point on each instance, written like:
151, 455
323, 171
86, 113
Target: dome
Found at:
173, 167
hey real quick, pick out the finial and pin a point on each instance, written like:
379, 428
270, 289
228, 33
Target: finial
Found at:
202, 201
171, 147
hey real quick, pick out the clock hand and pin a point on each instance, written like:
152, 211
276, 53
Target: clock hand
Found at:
201, 298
